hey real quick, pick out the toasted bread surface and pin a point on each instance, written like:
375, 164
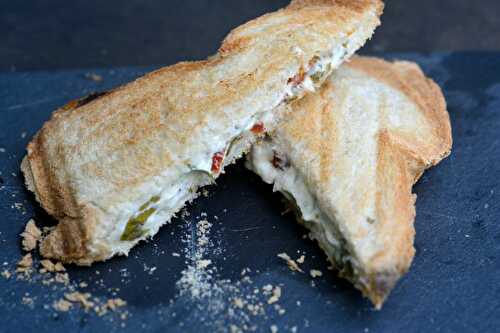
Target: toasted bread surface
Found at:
358, 145
96, 159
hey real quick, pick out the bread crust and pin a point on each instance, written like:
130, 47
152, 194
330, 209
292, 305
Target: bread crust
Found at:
360, 143
95, 154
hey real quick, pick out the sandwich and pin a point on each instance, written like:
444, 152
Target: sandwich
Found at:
346, 159
113, 167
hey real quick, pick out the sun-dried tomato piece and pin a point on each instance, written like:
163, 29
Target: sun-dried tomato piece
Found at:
217, 160
258, 128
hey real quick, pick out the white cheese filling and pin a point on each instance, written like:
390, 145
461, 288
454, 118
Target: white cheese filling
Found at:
172, 198
288, 180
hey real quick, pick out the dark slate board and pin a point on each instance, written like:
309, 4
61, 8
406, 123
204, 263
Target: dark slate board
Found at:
453, 285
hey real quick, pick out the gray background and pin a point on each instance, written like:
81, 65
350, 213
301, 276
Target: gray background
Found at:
58, 34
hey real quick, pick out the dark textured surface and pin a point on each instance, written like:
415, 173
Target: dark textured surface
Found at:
92, 33
453, 285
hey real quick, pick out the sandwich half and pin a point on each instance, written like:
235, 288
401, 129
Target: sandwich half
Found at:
347, 157
112, 168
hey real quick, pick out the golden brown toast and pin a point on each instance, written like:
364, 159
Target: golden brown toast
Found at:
113, 169
347, 157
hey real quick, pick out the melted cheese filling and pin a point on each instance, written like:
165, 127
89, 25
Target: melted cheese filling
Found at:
292, 185
173, 196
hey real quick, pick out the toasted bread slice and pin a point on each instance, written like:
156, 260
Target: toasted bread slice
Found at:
113, 168
348, 156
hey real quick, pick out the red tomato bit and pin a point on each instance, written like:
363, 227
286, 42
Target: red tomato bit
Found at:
297, 79
217, 161
258, 128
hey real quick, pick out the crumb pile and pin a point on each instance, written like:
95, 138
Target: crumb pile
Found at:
50, 273
221, 302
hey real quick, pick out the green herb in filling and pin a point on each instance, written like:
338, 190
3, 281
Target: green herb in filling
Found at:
152, 200
318, 77
134, 230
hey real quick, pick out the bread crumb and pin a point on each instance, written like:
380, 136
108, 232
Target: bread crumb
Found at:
28, 301
204, 263
238, 302
291, 263
59, 267
6, 274
276, 295
301, 259
94, 77
274, 329
267, 289
315, 273
114, 303
24, 265
82, 298
30, 236
62, 305
175, 254
62, 278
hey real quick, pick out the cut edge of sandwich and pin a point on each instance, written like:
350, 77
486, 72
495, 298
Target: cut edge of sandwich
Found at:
70, 242
270, 162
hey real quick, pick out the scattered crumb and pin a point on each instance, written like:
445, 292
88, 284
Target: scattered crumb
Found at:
24, 265
49, 266
62, 305
175, 254
301, 259
113, 304
238, 302
81, 298
201, 264
2, 150
30, 236
267, 289
276, 295
291, 263
83, 285
94, 77
62, 278
274, 329
315, 273
6, 274
23, 135
28, 301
